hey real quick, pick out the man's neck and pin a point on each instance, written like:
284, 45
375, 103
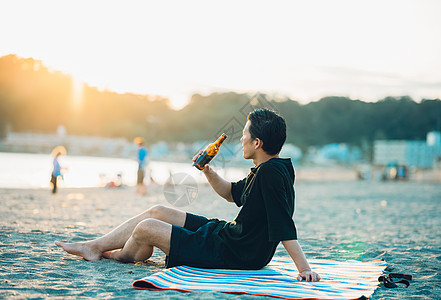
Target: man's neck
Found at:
262, 157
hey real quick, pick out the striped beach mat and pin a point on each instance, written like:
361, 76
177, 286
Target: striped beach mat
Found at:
350, 279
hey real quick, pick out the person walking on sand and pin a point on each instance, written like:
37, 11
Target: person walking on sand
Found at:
266, 197
142, 163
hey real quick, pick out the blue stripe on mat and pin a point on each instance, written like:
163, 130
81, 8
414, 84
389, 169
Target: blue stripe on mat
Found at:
350, 279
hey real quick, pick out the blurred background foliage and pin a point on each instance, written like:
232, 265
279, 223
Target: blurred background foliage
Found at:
36, 99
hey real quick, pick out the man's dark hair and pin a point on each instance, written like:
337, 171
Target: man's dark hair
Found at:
269, 127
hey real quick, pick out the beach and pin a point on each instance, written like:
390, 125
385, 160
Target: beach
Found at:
339, 219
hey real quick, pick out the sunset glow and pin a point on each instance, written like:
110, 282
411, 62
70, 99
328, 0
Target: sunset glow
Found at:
77, 93
300, 49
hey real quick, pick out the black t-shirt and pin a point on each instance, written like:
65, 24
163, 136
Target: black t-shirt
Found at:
266, 197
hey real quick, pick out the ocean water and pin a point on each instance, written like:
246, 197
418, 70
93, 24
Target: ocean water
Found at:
399, 222
25, 170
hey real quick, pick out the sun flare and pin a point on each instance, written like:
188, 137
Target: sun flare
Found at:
77, 93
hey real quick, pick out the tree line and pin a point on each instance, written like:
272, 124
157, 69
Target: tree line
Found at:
34, 98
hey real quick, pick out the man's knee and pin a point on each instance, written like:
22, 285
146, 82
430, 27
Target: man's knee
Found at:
165, 214
153, 232
145, 230
157, 212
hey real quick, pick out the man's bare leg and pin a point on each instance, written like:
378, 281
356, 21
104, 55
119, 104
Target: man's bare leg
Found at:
117, 238
147, 234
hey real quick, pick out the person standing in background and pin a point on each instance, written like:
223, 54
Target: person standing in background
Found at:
56, 171
142, 163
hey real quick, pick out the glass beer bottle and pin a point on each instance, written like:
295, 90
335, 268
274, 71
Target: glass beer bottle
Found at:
209, 153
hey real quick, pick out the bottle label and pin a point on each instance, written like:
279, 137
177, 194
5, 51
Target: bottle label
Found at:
202, 160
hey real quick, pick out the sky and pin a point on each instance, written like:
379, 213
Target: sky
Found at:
303, 50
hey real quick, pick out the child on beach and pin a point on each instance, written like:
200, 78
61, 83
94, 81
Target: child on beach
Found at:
56, 170
266, 197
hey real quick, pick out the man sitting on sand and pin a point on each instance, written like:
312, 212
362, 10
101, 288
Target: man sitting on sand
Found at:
266, 197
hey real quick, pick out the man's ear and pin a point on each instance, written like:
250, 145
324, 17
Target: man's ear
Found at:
258, 143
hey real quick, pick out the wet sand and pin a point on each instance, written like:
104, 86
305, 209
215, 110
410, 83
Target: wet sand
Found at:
395, 221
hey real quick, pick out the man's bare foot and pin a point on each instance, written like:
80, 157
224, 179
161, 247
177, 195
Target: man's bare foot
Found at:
81, 249
116, 255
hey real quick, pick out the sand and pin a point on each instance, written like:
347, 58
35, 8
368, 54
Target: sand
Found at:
395, 221
31, 220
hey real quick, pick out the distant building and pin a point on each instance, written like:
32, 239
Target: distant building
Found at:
434, 141
334, 153
420, 154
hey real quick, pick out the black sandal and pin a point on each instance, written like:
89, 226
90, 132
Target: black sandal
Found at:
388, 280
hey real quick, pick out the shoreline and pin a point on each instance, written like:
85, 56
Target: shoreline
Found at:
33, 172
310, 174
304, 175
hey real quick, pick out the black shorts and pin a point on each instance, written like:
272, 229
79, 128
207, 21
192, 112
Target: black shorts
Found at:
196, 244
54, 179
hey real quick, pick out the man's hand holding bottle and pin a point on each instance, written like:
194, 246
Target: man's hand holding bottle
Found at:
201, 159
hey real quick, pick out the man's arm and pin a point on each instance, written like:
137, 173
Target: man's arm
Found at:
297, 255
219, 185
